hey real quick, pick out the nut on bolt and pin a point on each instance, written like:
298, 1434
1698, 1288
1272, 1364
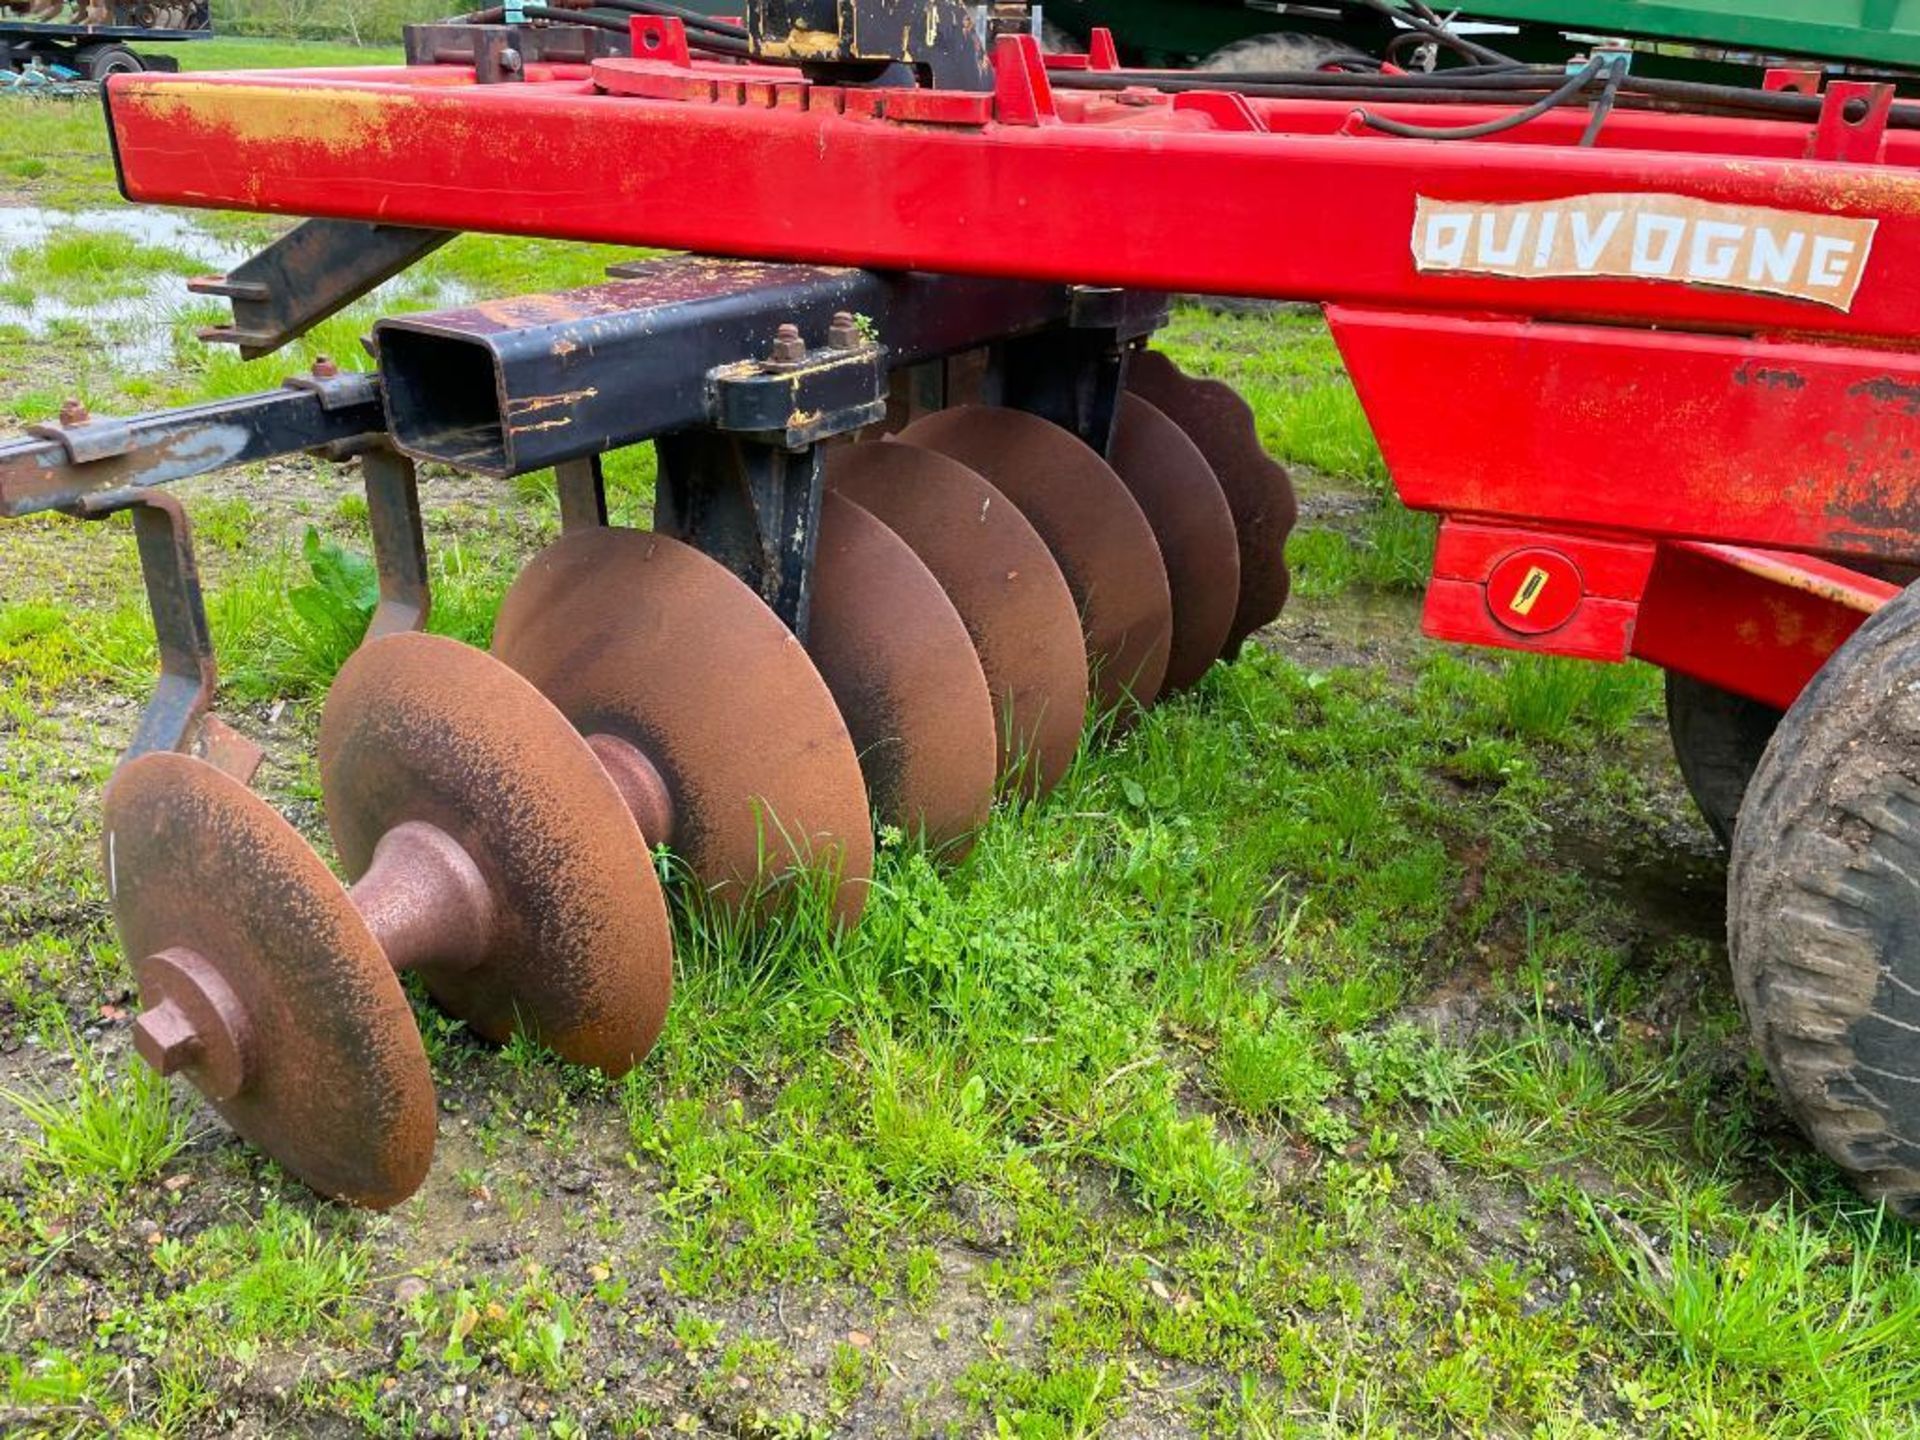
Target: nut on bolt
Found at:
844, 332
73, 411
325, 367
788, 347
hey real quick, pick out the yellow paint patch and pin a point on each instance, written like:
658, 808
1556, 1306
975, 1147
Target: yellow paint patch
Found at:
338, 119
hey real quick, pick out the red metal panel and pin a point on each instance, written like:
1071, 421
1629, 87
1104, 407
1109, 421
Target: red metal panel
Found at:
1756, 622
1154, 199
1782, 444
1456, 610
1467, 551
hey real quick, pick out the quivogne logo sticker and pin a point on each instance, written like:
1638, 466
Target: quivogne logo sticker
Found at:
1820, 258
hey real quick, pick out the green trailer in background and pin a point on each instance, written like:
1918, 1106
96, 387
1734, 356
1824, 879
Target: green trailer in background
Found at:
1705, 39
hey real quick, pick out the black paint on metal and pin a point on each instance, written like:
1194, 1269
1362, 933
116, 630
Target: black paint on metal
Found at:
60, 468
399, 544
519, 385
1074, 376
857, 41
187, 675
457, 43
316, 269
582, 487
752, 506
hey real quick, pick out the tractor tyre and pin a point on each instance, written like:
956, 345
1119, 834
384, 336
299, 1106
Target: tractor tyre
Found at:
1718, 738
1824, 907
1283, 50
100, 61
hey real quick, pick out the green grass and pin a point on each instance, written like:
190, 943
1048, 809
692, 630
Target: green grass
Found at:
231, 51
87, 267
1308, 1064
108, 1129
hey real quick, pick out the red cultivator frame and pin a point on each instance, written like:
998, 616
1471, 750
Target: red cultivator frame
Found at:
1686, 334
1647, 348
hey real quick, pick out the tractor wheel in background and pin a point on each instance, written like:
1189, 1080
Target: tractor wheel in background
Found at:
1823, 894
100, 61
1282, 50
1718, 738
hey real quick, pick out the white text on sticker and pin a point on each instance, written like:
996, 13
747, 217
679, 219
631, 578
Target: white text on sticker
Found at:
1821, 258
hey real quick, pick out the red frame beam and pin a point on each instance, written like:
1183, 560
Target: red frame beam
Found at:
1592, 473
1151, 195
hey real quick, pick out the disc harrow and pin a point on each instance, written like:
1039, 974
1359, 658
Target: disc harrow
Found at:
497, 816
1537, 277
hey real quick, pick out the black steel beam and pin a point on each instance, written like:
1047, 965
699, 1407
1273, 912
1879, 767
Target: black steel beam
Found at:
65, 467
316, 269
518, 385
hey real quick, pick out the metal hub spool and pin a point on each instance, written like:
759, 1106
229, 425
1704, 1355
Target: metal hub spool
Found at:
1094, 528
899, 662
1005, 585
491, 852
1188, 511
1258, 491
647, 644
262, 984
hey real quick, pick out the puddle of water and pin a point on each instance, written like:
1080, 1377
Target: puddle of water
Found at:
132, 329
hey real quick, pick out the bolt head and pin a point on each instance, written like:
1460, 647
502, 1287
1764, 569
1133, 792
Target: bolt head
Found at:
324, 367
73, 411
164, 1037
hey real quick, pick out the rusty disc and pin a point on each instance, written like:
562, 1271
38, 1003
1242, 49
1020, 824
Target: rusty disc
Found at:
331, 1079
1257, 488
1090, 522
642, 637
420, 728
1005, 584
900, 665
1188, 511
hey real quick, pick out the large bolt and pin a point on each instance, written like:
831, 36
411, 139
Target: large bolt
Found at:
73, 411
325, 367
844, 332
788, 347
165, 1038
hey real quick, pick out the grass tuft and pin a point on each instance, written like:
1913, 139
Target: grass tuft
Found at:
116, 1129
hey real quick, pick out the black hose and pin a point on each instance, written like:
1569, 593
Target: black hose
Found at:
721, 43
692, 19
1491, 77
1385, 89
1576, 82
1435, 29
1603, 107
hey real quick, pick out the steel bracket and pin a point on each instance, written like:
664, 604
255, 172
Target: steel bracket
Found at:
1074, 376
830, 392
1853, 122
90, 439
339, 391
314, 270
177, 717
455, 43
752, 505
858, 40
399, 542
